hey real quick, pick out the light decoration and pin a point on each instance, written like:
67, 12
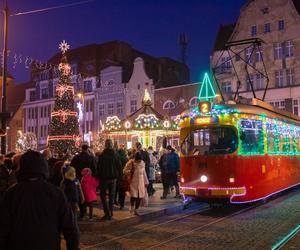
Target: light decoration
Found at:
147, 98
62, 88
64, 68
75, 138
26, 141
63, 46
63, 114
80, 109
207, 92
146, 121
127, 124
166, 124
176, 122
112, 123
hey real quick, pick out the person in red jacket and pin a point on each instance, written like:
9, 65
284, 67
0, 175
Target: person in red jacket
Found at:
89, 185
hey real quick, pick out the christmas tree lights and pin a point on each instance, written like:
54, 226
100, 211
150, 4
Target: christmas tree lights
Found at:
146, 122
64, 128
207, 92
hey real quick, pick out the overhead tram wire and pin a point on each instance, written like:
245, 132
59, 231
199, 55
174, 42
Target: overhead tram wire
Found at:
52, 8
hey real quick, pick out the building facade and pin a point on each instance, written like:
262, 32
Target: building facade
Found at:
109, 79
277, 24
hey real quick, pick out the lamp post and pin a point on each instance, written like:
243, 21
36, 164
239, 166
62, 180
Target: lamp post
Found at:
4, 82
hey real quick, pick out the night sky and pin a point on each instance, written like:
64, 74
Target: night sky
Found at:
151, 26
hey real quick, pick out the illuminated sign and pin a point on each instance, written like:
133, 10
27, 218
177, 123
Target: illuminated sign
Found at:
206, 120
204, 107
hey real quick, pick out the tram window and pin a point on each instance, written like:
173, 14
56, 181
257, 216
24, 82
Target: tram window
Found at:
216, 140
251, 136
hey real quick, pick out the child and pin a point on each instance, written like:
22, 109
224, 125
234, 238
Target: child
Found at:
89, 185
71, 187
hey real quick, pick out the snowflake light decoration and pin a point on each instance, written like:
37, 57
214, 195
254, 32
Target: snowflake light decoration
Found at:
63, 46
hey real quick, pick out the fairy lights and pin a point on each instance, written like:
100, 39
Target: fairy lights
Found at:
63, 114
146, 121
112, 123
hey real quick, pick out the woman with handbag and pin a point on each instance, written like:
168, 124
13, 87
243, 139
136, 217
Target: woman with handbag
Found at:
138, 181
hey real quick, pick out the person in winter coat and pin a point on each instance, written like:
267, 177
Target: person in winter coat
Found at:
138, 183
151, 176
89, 185
107, 173
172, 168
33, 213
71, 187
145, 157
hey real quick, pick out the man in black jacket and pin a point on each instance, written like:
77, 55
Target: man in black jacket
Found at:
107, 173
33, 213
79, 162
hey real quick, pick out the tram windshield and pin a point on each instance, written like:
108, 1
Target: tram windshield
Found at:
210, 141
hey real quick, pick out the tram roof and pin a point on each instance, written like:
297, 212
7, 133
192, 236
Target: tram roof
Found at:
257, 107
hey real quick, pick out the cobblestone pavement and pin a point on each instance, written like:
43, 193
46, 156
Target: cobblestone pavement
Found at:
257, 227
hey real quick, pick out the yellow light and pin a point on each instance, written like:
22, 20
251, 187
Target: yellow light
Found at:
182, 180
203, 120
79, 95
231, 180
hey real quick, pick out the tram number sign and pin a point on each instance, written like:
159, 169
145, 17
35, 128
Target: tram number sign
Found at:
204, 107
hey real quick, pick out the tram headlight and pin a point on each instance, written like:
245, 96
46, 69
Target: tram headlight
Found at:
203, 178
231, 180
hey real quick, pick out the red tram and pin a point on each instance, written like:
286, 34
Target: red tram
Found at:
238, 153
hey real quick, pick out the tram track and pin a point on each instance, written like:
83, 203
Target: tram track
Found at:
196, 213
123, 236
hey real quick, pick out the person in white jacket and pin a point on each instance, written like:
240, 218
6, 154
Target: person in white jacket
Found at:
135, 170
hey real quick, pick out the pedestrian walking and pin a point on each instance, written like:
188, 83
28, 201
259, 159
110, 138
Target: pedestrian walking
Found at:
172, 168
135, 170
89, 185
151, 177
163, 166
145, 157
34, 213
107, 173
80, 161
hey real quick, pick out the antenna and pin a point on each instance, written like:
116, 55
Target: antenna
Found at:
183, 42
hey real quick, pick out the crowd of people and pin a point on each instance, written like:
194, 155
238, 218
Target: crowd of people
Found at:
41, 191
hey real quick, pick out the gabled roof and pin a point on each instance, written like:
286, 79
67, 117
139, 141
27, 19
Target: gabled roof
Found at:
297, 5
223, 36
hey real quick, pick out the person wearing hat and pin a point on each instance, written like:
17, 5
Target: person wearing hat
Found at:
33, 213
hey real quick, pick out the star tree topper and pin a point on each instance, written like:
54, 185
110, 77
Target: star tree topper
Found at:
63, 46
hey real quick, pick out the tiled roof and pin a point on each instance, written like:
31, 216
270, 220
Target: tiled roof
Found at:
223, 36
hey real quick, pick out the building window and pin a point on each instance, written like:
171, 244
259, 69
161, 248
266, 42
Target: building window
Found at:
290, 76
282, 105
267, 28
281, 25
260, 81
169, 105
110, 109
133, 106
253, 30
289, 49
250, 81
32, 95
44, 93
88, 86
259, 54
295, 107
279, 78
226, 64
277, 51
248, 54
119, 108
44, 75
101, 110
226, 87
74, 69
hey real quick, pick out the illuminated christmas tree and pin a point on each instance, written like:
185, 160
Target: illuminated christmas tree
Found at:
64, 128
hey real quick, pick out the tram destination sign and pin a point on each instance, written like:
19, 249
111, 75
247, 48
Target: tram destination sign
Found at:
206, 120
